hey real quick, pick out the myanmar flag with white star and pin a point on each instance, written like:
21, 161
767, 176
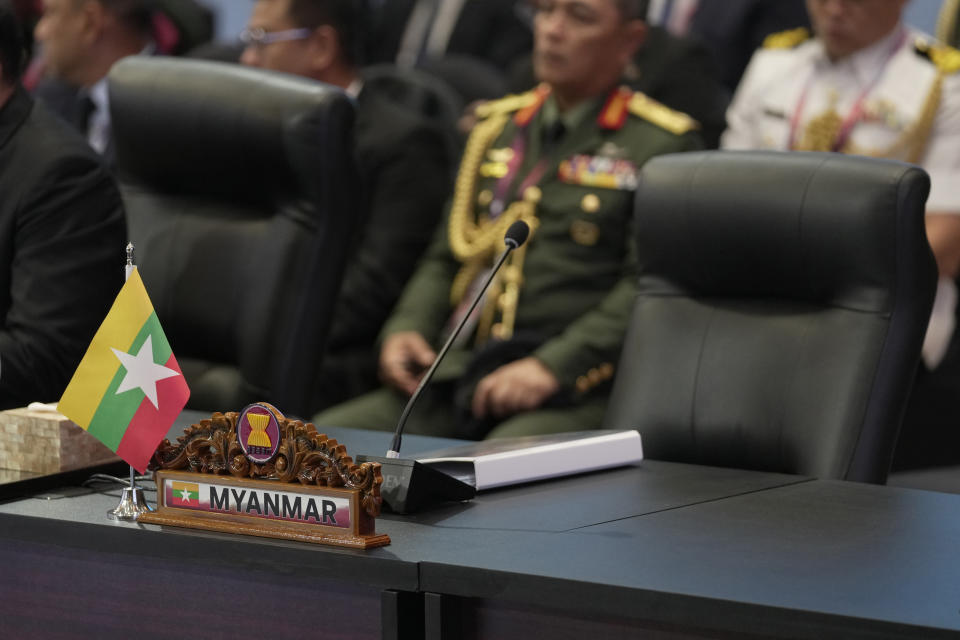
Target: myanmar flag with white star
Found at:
128, 389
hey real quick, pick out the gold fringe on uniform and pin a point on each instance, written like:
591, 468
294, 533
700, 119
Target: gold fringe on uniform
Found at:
946, 31
474, 240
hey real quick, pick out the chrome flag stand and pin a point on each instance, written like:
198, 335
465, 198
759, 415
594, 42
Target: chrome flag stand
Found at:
132, 501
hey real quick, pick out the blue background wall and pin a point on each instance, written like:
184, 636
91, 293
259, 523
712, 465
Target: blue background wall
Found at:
923, 14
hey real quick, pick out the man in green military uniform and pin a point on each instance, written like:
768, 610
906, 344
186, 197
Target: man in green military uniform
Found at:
564, 158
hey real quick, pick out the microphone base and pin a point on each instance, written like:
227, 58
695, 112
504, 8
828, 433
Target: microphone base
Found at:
409, 486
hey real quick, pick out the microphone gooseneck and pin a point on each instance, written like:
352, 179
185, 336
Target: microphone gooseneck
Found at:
515, 236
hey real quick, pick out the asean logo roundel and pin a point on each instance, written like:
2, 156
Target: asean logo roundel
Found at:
258, 432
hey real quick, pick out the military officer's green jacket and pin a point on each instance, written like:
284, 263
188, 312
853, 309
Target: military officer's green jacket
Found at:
578, 272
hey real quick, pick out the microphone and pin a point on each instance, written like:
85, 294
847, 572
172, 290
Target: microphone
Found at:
516, 235
409, 485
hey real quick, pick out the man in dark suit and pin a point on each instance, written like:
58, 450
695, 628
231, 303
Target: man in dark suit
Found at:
82, 39
731, 30
62, 235
405, 163
403, 31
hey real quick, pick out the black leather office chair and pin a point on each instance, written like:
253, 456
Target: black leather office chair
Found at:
472, 78
423, 93
783, 299
241, 200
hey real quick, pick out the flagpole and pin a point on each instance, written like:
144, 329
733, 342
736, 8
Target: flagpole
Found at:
132, 500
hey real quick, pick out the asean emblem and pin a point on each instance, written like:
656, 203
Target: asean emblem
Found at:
258, 432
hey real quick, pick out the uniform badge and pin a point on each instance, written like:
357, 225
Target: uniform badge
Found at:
883, 112
590, 203
532, 194
774, 112
610, 149
494, 169
599, 171
584, 233
500, 155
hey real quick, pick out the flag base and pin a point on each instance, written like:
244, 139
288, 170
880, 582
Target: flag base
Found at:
132, 505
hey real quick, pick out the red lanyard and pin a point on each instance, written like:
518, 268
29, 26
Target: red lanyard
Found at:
846, 128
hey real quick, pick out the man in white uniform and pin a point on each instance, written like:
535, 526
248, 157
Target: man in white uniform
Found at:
865, 85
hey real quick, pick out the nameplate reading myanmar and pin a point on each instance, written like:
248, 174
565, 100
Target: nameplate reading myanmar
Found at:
256, 472
265, 508
269, 504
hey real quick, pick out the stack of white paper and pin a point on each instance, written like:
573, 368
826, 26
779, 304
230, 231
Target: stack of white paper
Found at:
496, 463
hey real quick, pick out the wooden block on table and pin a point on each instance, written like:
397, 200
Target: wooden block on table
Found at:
47, 442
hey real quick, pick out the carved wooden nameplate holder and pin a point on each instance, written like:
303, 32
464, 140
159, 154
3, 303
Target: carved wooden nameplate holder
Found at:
259, 473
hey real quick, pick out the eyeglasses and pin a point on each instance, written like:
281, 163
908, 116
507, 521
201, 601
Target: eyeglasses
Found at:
260, 38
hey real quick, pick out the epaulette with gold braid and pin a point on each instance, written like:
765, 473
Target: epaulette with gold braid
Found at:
675, 122
787, 39
946, 59
507, 104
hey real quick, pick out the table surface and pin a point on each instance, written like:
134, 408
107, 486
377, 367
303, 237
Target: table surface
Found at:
667, 542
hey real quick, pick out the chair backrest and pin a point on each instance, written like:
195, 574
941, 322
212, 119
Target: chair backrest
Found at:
472, 78
241, 194
782, 302
423, 93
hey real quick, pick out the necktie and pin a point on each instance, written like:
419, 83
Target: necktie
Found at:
417, 32
85, 109
552, 135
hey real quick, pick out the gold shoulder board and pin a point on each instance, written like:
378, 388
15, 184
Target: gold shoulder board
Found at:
787, 39
946, 59
507, 104
661, 115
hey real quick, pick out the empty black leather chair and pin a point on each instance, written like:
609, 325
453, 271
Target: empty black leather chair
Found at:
241, 200
783, 299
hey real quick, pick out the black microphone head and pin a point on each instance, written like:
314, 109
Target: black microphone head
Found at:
517, 234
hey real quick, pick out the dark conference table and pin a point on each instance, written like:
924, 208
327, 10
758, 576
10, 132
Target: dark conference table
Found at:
662, 550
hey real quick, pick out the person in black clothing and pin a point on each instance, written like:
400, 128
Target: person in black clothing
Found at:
733, 30
62, 236
82, 40
405, 161
410, 31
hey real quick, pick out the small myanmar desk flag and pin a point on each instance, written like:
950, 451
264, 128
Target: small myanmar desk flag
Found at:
128, 389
